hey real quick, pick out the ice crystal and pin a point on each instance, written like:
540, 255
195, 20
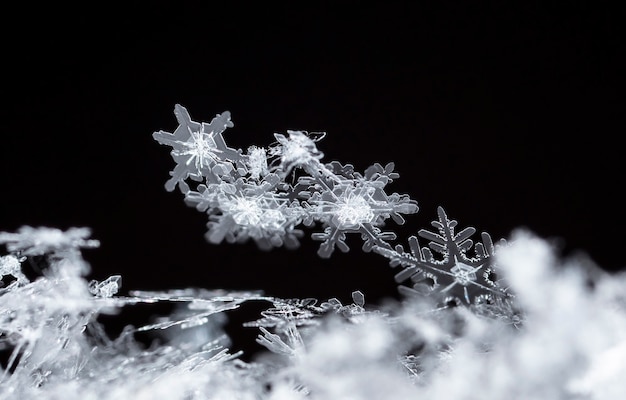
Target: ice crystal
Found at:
508, 315
30, 241
248, 196
451, 273
198, 149
11, 265
248, 209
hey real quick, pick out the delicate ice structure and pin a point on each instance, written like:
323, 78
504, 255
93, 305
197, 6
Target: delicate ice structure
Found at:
10, 265
479, 321
454, 276
198, 148
247, 195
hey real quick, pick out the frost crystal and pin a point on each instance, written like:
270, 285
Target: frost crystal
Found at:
348, 202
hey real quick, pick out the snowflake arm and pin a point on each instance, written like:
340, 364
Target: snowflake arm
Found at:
331, 238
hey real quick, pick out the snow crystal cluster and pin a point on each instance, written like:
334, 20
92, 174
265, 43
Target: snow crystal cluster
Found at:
477, 320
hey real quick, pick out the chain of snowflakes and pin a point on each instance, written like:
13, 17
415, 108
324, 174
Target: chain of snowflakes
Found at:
248, 196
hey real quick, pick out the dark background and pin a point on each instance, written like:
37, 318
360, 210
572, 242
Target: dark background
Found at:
508, 114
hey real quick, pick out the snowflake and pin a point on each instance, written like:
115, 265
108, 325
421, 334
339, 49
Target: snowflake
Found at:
248, 209
266, 212
106, 288
355, 204
199, 149
453, 276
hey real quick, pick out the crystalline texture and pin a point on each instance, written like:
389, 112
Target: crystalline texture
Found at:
562, 336
450, 273
248, 196
348, 202
11, 265
197, 148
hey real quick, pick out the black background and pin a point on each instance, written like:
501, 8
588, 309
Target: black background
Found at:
508, 114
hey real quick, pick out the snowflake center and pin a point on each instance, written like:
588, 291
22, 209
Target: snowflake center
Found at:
463, 273
298, 149
246, 212
201, 148
354, 210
